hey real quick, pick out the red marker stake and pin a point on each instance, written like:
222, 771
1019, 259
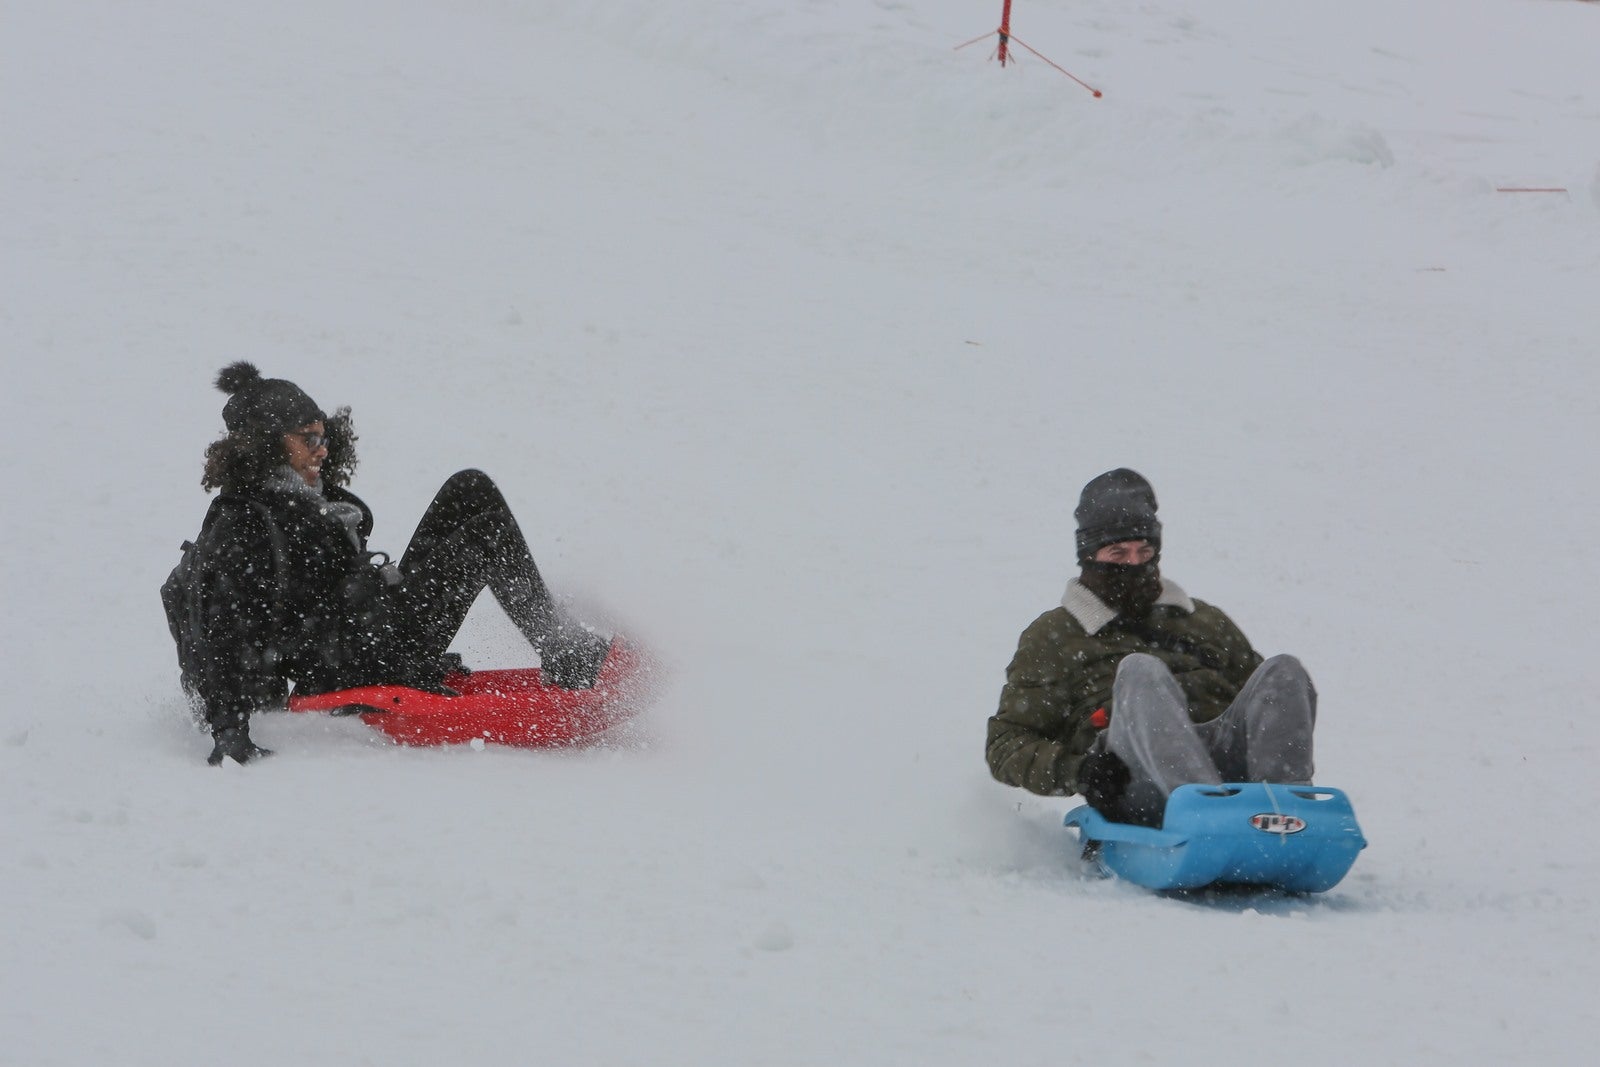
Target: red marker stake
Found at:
1003, 53
1005, 30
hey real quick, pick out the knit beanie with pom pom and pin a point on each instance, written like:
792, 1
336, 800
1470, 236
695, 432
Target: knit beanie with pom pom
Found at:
257, 403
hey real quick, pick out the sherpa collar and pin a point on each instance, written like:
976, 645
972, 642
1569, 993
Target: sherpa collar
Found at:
1093, 615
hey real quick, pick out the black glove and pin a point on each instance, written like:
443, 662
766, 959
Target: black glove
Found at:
452, 663
428, 676
233, 742
1102, 778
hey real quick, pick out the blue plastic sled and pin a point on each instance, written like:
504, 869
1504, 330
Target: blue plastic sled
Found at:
1299, 838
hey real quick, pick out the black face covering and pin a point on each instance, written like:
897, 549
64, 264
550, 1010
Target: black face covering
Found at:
1129, 589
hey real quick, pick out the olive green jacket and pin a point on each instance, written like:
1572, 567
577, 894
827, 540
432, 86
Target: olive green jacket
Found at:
1065, 664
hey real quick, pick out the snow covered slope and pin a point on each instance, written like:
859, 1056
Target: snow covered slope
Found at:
792, 333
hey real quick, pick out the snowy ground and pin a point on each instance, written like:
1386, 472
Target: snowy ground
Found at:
792, 333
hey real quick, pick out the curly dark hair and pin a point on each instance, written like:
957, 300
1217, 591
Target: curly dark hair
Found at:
340, 466
245, 459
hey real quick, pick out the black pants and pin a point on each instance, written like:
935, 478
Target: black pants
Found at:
468, 541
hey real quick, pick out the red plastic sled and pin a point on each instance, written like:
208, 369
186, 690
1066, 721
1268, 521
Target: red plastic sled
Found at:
506, 707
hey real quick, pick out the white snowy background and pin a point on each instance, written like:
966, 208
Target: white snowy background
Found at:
791, 334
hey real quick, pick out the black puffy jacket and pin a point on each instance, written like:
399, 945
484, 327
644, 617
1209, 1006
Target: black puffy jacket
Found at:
275, 590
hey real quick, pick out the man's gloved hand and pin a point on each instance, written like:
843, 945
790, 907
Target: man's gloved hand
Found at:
233, 742
1102, 778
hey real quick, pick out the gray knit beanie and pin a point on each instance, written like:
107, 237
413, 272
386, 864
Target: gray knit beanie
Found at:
1117, 506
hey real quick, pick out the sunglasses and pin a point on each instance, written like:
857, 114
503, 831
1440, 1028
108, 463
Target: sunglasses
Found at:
313, 440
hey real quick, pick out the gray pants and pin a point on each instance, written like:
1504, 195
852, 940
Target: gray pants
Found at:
1264, 736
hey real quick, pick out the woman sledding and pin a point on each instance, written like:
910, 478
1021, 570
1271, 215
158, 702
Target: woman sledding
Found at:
280, 586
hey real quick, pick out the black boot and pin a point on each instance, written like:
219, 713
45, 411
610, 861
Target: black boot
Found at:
572, 657
233, 742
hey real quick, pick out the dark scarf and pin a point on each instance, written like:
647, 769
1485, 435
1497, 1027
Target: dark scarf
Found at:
1129, 589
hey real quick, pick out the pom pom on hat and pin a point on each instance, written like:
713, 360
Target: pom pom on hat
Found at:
236, 376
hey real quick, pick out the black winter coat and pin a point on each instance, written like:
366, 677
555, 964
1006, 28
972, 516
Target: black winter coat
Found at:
310, 609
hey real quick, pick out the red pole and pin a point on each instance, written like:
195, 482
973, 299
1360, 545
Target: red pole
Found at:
1005, 30
1004, 53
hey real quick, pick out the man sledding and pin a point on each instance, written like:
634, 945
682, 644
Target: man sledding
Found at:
1147, 701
